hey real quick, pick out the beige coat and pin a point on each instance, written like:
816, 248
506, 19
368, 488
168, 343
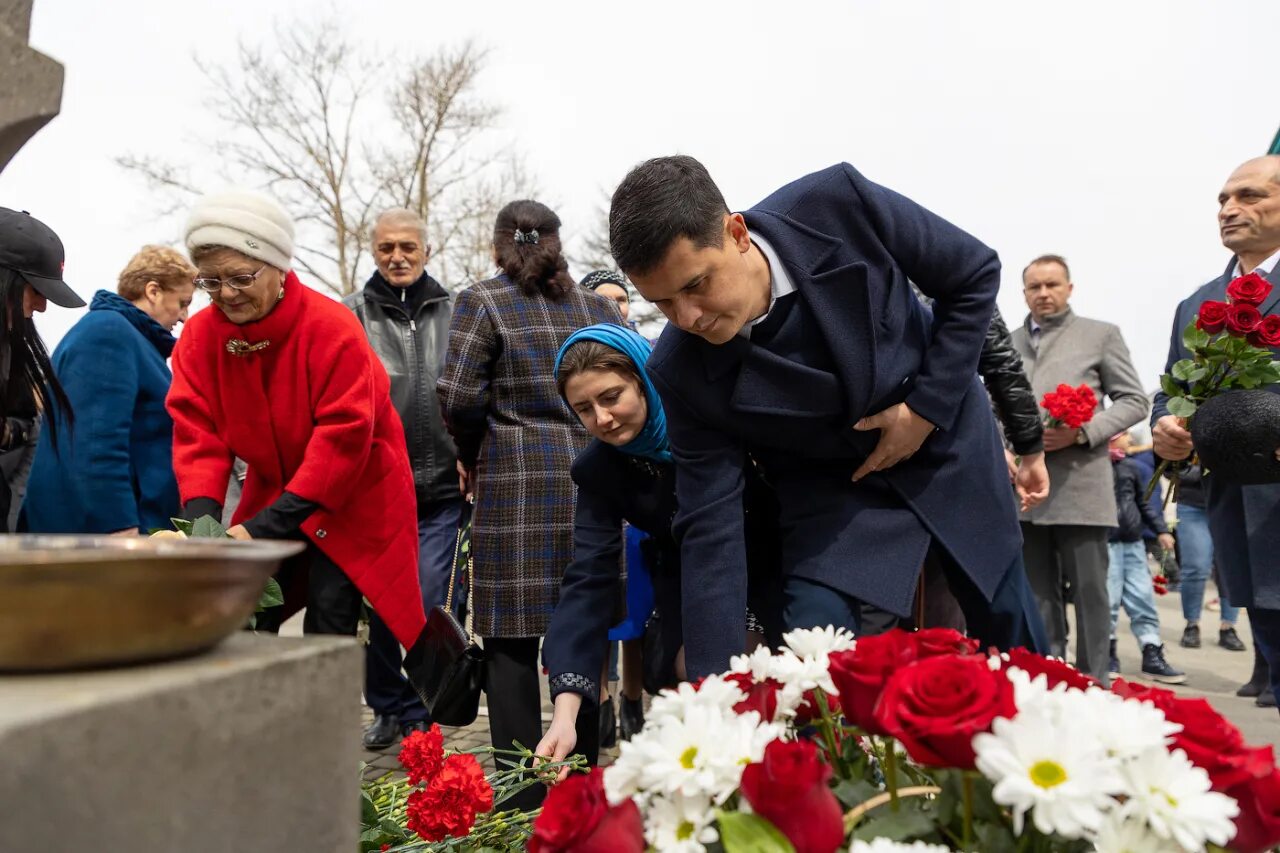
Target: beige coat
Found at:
1075, 350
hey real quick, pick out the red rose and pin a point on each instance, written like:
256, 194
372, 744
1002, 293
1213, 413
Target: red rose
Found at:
1249, 289
422, 753
449, 804
789, 789
1055, 671
1258, 824
860, 673
1242, 318
935, 706
1267, 335
1212, 317
576, 818
931, 642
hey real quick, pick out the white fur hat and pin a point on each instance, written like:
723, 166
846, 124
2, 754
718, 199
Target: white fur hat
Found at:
250, 222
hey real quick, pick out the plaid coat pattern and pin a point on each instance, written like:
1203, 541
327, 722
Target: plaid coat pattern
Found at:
500, 404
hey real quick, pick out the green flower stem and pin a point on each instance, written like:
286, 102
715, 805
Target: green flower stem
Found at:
891, 772
826, 725
966, 779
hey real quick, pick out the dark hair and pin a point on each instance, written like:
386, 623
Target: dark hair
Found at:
593, 355
535, 264
30, 374
1048, 259
657, 203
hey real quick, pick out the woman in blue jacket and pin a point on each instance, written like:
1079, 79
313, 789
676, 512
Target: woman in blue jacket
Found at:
625, 474
113, 472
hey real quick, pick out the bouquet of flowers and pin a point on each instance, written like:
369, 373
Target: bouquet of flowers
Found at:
1230, 344
898, 742
1069, 407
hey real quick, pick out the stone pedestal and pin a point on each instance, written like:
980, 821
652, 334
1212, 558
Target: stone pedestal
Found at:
251, 747
32, 91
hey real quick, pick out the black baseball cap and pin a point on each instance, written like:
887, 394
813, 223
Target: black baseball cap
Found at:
30, 248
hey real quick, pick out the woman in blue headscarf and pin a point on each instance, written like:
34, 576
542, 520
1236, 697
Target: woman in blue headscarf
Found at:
625, 474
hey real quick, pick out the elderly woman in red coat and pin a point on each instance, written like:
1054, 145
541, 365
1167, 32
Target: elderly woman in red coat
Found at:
284, 378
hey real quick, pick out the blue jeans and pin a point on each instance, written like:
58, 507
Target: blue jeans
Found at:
385, 687
1129, 583
1196, 546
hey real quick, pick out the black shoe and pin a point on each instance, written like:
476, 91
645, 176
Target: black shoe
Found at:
631, 717
1230, 640
1155, 667
382, 732
412, 726
1259, 679
1113, 665
1266, 699
1190, 637
608, 724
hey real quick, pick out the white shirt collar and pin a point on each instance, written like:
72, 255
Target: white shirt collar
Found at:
780, 283
1265, 268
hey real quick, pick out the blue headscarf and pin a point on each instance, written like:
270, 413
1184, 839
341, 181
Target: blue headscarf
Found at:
651, 442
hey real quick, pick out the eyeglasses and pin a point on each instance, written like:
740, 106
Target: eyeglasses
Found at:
235, 282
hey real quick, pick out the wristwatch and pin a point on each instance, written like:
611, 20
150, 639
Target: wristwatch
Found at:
1081, 438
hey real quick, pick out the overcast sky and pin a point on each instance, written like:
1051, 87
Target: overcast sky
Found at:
1099, 130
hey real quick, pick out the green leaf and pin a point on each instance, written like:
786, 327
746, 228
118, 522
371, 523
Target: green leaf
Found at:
903, 825
272, 595
749, 833
1171, 387
1182, 369
1181, 407
1193, 338
207, 527
1200, 372
850, 792
368, 811
995, 838
181, 525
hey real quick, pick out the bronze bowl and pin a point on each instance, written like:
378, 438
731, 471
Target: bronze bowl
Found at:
70, 602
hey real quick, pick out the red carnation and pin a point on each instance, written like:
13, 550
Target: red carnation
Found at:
1249, 289
448, 806
1212, 316
1267, 335
576, 818
935, 706
789, 789
1070, 407
1055, 671
422, 753
761, 696
1242, 318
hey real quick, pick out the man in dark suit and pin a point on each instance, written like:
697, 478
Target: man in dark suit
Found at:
796, 344
1243, 520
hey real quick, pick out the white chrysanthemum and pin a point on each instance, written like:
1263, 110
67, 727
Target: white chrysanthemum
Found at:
818, 642
1121, 834
1121, 727
1173, 797
1047, 766
680, 824
758, 664
884, 845
763, 665
714, 692
702, 754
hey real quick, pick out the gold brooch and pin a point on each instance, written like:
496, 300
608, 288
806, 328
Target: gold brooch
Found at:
236, 346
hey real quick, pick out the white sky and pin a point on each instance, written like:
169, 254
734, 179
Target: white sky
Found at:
1098, 130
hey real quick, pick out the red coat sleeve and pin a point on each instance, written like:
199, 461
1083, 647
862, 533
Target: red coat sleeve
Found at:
201, 461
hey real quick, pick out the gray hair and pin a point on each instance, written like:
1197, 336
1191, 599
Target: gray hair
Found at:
399, 216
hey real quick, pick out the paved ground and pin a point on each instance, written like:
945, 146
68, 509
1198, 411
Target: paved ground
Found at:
1213, 672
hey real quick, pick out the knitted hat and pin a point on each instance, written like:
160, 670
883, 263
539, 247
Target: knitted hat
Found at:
252, 223
592, 280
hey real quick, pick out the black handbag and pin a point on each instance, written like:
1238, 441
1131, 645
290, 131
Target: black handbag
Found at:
445, 666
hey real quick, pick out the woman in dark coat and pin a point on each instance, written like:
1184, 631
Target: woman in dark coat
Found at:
516, 441
625, 474
114, 472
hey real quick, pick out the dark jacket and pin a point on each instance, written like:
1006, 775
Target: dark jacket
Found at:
114, 469
1015, 403
1132, 512
411, 343
851, 248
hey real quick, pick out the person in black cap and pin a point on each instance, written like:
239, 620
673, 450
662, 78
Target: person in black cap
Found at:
31, 261
613, 286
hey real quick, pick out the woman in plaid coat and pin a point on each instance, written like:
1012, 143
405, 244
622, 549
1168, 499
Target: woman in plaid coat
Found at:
516, 442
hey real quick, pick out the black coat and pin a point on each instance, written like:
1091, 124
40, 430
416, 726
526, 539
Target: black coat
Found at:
1015, 403
411, 346
1132, 512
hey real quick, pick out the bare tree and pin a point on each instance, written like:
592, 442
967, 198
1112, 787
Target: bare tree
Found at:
305, 119
592, 252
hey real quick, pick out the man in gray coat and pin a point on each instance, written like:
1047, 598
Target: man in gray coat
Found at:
1067, 534
1244, 520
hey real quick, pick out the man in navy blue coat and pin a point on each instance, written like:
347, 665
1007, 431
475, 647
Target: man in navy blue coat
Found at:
797, 344
1244, 520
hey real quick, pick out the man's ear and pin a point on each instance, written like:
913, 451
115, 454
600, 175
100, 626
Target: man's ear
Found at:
735, 231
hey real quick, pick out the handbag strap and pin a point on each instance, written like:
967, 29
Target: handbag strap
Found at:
453, 574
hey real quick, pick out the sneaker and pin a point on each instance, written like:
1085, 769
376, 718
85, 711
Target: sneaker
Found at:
1156, 668
1190, 636
1230, 640
1113, 665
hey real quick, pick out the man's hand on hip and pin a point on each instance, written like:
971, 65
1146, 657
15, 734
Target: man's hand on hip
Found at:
1170, 439
902, 432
